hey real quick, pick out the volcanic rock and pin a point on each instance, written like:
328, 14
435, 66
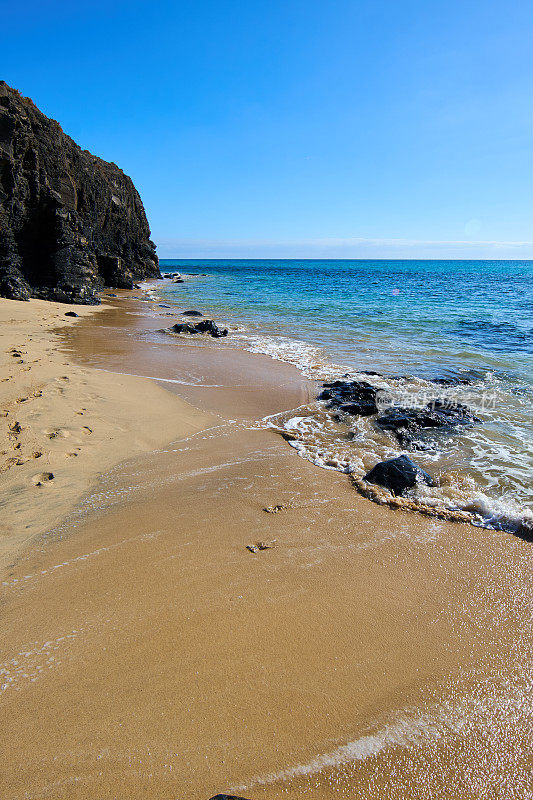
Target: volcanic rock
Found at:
352, 397
405, 422
209, 326
183, 327
398, 474
70, 223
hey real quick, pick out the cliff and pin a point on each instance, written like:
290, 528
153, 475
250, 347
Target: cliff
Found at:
70, 223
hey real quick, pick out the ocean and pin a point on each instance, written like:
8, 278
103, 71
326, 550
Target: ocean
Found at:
459, 331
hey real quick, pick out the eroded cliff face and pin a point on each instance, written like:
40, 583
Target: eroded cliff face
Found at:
70, 223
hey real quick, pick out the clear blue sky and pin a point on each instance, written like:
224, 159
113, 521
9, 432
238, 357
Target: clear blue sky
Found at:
362, 128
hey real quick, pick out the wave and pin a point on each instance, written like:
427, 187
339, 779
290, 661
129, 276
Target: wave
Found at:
482, 474
308, 358
468, 487
478, 716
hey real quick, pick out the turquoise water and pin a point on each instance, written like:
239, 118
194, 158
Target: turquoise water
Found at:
412, 322
422, 315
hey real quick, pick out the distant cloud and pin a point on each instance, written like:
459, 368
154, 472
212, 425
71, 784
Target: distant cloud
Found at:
342, 248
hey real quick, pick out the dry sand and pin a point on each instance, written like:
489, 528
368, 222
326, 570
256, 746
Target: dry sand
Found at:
148, 653
65, 420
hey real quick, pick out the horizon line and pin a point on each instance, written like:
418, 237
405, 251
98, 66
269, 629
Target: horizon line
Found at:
353, 249
328, 258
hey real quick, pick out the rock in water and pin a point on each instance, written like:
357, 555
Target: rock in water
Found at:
210, 327
352, 397
70, 223
405, 423
183, 327
205, 326
398, 474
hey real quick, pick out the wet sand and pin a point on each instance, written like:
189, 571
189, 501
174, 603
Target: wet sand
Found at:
146, 652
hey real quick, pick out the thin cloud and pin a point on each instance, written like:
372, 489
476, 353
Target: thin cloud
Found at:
342, 248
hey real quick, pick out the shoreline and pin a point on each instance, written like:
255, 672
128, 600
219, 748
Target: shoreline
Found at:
457, 498
163, 658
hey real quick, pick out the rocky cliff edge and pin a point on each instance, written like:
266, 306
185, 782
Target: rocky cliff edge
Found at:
70, 223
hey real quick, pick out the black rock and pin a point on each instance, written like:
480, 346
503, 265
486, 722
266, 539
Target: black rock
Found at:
352, 397
70, 223
192, 313
411, 426
398, 474
209, 326
183, 327
227, 797
71, 314
404, 422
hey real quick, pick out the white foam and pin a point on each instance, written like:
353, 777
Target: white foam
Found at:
308, 358
498, 709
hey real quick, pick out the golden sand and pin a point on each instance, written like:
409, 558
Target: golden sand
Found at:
62, 420
150, 648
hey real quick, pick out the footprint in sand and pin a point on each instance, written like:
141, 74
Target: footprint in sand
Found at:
42, 478
15, 428
11, 462
86, 430
57, 433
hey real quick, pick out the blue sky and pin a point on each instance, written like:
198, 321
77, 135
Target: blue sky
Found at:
298, 129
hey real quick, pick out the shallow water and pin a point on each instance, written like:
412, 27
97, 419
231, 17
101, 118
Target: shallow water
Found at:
413, 322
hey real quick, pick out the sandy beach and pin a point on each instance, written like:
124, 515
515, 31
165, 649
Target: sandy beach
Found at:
61, 420
189, 608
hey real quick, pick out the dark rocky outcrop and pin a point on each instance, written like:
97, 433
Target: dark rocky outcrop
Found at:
183, 327
191, 313
405, 423
352, 397
210, 327
398, 474
70, 223
205, 326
